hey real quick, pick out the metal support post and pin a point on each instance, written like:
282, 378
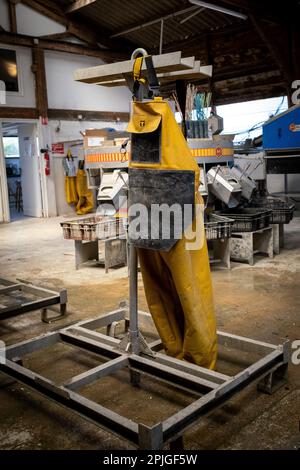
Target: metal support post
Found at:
133, 302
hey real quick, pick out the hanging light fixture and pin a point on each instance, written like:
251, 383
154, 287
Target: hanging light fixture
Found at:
220, 9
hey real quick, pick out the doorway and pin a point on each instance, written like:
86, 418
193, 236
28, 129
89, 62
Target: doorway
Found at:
21, 181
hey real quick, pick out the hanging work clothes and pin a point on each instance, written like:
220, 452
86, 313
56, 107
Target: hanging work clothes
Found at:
70, 179
85, 202
176, 275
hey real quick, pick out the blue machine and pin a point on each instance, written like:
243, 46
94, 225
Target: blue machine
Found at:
282, 132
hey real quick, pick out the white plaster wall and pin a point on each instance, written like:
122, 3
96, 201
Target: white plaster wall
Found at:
34, 24
4, 15
70, 130
65, 93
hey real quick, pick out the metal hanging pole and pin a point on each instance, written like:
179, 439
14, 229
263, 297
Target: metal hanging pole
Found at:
161, 36
133, 300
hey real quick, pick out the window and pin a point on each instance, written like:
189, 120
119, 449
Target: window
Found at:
11, 147
9, 69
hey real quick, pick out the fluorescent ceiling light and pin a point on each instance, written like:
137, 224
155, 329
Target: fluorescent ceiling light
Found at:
211, 6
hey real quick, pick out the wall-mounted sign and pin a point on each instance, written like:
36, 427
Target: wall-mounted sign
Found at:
295, 127
58, 148
219, 152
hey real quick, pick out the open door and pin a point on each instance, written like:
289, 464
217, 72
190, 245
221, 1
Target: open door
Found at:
4, 202
30, 166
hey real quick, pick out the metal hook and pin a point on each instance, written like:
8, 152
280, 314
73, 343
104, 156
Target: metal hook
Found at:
137, 52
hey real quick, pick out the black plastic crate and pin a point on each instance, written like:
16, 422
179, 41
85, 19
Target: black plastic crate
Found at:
248, 219
217, 227
282, 211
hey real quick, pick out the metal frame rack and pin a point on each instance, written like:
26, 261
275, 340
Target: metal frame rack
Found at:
45, 298
133, 353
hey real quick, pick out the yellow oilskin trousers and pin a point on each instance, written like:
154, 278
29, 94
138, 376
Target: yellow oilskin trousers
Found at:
177, 283
85, 202
70, 188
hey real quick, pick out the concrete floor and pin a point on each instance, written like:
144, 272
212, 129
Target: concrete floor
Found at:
262, 302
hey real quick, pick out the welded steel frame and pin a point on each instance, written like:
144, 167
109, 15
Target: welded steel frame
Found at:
45, 298
213, 387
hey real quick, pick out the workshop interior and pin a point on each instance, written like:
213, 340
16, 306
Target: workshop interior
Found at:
149, 225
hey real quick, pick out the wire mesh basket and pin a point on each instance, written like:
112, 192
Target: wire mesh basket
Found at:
217, 227
93, 228
282, 211
250, 219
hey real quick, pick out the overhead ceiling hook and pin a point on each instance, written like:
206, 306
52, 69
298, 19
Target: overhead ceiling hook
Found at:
161, 36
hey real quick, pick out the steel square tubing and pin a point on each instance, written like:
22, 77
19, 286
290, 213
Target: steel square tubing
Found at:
232, 341
14, 311
5, 282
97, 373
39, 291
95, 335
31, 345
103, 320
28, 288
193, 369
88, 344
86, 408
11, 288
185, 418
170, 375
245, 344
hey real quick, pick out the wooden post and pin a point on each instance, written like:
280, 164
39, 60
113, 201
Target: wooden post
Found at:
12, 16
38, 68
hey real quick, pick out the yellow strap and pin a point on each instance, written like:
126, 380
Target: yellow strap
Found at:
137, 69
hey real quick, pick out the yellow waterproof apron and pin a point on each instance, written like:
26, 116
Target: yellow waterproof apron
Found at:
176, 275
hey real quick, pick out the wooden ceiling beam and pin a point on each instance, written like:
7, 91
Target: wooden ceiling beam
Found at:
57, 36
84, 31
278, 51
78, 5
59, 46
7, 112
72, 115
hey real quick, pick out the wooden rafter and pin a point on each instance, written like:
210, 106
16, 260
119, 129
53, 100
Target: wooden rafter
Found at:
7, 112
72, 115
78, 4
11, 112
59, 46
278, 53
86, 32
56, 36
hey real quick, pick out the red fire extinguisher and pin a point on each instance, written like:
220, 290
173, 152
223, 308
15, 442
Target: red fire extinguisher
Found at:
47, 161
